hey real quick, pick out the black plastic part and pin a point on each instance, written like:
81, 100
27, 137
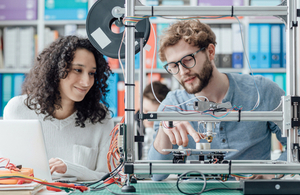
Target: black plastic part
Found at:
133, 180
150, 116
139, 138
298, 12
139, 35
128, 168
128, 189
270, 187
201, 157
171, 124
296, 123
100, 19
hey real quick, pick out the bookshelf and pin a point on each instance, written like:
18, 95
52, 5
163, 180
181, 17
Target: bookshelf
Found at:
39, 24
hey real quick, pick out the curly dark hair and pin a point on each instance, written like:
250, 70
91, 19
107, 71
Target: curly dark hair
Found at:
193, 32
53, 64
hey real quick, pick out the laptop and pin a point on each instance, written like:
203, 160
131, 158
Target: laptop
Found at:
22, 141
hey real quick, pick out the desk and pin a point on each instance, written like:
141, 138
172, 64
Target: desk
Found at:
161, 188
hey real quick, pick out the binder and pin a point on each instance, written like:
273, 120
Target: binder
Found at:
160, 28
1, 110
137, 61
121, 98
7, 88
18, 80
283, 39
253, 45
275, 46
237, 47
279, 78
149, 54
265, 46
11, 47
216, 29
226, 46
26, 47
112, 95
269, 76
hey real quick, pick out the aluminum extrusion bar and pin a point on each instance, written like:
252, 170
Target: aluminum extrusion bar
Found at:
211, 10
243, 168
232, 116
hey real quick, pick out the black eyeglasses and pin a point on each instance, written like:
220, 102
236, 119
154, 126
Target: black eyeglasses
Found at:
187, 61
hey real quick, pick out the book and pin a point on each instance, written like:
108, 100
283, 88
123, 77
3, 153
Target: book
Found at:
23, 189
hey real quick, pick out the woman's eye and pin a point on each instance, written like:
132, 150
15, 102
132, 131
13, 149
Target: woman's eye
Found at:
92, 73
77, 70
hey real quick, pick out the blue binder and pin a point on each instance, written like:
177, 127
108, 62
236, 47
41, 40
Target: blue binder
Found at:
283, 39
159, 30
18, 81
265, 46
254, 45
112, 96
137, 61
7, 88
275, 45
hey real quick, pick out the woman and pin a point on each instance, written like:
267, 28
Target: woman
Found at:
63, 91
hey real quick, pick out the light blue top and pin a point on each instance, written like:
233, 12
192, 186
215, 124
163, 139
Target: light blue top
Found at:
251, 139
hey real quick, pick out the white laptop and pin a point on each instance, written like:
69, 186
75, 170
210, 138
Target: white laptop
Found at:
22, 141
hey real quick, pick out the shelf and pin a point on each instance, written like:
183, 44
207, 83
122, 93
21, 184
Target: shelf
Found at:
269, 70
15, 70
64, 22
19, 23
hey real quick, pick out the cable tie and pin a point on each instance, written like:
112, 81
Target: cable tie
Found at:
231, 10
239, 116
229, 168
129, 26
129, 110
129, 84
152, 11
150, 167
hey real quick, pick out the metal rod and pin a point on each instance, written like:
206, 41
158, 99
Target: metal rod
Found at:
130, 78
243, 168
141, 86
233, 116
209, 10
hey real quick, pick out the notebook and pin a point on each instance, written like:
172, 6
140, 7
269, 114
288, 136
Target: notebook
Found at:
22, 141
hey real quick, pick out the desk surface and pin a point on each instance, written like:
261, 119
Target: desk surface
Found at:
169, 188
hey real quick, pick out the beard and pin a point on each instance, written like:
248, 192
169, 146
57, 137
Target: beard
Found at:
204, 78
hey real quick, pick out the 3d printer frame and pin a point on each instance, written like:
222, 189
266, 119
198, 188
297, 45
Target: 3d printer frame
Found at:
289, 114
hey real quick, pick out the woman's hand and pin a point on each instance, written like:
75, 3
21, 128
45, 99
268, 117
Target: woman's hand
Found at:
57, 165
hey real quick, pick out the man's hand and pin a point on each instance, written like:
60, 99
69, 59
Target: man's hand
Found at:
176, 135
57, 165
179, 133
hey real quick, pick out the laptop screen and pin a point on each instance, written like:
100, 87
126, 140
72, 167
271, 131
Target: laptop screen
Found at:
22, 141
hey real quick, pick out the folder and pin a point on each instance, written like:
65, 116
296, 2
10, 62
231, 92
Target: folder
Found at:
112, 95
149, 54
7, 88
226, 46
160, 27
279, 78
237, 47
11, 47
283, 39
121, 98
216, 29
26, 47
18, 80
253, 45
137, 61
275, 45
265, 46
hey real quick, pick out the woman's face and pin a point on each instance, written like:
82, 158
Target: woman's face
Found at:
80, 78
149, 106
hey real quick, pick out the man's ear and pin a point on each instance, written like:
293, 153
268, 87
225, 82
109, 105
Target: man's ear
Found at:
211, 51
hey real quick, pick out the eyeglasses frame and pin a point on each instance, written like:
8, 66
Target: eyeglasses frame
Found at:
179, 61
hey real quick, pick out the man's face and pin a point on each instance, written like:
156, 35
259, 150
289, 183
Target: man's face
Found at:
195, 79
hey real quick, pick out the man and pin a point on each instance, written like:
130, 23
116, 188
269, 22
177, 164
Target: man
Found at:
189, 49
